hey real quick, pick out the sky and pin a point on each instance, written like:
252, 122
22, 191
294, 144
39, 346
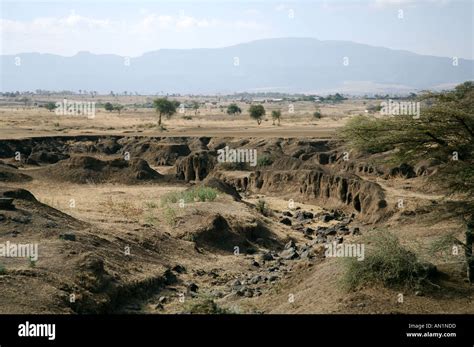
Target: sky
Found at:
131, 28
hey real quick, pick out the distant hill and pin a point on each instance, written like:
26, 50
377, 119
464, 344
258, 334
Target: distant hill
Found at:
283, 65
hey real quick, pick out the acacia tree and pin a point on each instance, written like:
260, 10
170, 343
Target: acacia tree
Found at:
118, 108
276, 115
257, 112
165, 107
233, 109
195, 107
443, 133
108, 106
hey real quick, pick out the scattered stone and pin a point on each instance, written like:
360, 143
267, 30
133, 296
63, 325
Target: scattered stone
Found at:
179, 269
255, 279
192, 287
267, 256
354, 231
162, 300
306, 254
21, 219
303, 215
290, 244
308, 231
255, 263
285, 221
6, 203
235, 284
327, 218
419, 293
273, 278
289, 254
287, 214
51, 224
68, 237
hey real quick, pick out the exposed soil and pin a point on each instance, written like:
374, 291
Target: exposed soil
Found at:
107, 242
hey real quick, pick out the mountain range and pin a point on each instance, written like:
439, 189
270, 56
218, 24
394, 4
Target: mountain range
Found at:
296, 65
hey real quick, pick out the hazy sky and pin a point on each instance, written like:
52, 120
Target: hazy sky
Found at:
130, 28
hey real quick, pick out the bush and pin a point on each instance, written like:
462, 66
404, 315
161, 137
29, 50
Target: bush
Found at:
3, 271
261, 207
205, 305
386, 262
170, 216
191, 195
264, 161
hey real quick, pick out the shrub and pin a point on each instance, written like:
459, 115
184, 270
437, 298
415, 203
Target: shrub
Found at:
3, 271
386, 262
261, 207
191, 195
205, 305
170, 216
317, 114
264, 161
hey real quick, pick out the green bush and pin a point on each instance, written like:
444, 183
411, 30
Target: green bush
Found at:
204, 305
385, 262
191, 195
264, 161
3, 271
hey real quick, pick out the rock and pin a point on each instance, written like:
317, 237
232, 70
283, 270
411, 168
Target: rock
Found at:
68, 237
290, 244
162, 299
303, 215
419, 293
308, 231
289, 254
6, 203
287, 214
179, 269
255, 263
285, 221
329, 231
343, 230
267, 256
192, 287
235, 284
248, 292
21, 219
327, 218
354, 231
255, 279
306, 254
50, 224
273, 278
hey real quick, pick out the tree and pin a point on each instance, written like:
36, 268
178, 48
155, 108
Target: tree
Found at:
109, 107
50, 106
233, 109
118, 108
444, 133
165, 107
276, 115
257, 112
195, 107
